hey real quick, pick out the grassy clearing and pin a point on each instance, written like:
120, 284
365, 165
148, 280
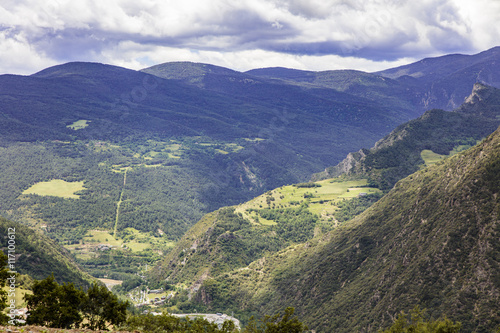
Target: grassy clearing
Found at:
110, 283
134, 240
119, 168
19, 296
56, 188
322, 200
254, 140
102, 237
431, 158
222, 148
79, 124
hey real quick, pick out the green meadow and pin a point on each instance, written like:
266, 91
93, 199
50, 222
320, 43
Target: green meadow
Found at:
431, 158
56, 188
79, 124
19, 296
132, 239
322, 198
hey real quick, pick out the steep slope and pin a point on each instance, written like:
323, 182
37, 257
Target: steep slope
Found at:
431, 241
233, 237
38, 256
439, 132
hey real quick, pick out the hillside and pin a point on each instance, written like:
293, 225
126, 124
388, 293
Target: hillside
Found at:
431, 241
39, 257
433, 136
233, 237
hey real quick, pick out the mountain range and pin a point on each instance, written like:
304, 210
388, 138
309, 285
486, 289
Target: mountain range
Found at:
97, 156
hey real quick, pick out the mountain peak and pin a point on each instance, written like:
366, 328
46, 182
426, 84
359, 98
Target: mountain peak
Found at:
482, 101
186, 70
480, 91
91, 69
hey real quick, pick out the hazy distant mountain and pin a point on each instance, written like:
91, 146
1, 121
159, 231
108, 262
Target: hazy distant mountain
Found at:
444, 82
441, 82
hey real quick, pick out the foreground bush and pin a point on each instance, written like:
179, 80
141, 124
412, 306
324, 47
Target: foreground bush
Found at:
65, 306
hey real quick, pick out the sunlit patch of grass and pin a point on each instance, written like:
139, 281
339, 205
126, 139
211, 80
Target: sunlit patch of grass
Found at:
102, 236
430, 157
321, 200
79, 124
56, 188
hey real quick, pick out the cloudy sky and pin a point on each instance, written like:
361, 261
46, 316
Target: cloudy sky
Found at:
242, 34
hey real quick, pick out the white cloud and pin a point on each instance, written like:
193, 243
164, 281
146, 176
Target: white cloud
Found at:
138, 56
301, 33
17, 57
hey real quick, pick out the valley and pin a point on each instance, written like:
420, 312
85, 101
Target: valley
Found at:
247, 192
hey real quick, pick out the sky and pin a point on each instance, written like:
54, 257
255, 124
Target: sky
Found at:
366, 35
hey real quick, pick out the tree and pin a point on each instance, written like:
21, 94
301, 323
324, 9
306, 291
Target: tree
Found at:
416, 323
65, 306
102, 308
54, 305
277, 324
169, 323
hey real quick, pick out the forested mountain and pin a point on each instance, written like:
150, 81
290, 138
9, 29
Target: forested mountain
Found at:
431, 241
38, 256
185, 145
435, 134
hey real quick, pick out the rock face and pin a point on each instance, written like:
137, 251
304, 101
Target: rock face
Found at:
347, 166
